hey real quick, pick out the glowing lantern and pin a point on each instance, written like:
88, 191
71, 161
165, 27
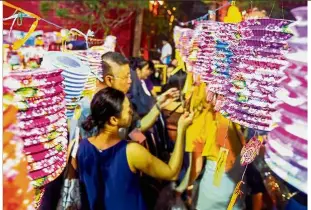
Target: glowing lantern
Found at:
233, 15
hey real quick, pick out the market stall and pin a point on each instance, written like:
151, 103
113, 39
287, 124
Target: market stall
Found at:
246, 85
236, 67
42, 90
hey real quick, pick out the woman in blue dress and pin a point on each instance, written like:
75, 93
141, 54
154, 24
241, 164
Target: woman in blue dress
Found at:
109, 166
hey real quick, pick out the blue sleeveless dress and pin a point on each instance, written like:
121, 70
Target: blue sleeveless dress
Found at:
106, 179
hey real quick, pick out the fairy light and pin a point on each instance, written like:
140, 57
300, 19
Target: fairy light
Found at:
161, 3
172, 18
150, 7
156, 2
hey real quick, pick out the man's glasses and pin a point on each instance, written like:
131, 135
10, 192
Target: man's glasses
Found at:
122, 78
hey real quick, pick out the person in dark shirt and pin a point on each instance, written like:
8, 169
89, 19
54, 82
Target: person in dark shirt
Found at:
109, 166
116, 74
140, 95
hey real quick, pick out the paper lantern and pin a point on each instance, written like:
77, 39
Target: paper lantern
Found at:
92, 59
75, 74
40, 99
287, 147
233, 15
255, 71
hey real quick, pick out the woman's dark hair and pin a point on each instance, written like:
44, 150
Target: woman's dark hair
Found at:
105, 104
136, 62
151, 66
176, 81
164, 37
171, 66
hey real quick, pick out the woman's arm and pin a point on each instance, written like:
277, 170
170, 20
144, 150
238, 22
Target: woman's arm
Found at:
140, 158
163, 100
148, 120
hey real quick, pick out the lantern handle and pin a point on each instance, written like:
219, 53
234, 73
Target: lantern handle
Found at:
79, 32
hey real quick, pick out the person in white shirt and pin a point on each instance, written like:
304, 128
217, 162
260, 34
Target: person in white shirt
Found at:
166, 52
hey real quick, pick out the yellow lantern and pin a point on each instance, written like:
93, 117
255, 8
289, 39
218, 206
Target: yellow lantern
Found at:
39, 41
233, 15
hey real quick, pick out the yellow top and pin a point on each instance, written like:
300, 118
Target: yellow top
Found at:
203, 113
224, 133
188, 84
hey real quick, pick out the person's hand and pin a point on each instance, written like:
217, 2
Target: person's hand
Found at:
185, 120
168, 97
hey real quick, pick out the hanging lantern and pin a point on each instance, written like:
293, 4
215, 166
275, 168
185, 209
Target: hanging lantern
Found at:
233, 15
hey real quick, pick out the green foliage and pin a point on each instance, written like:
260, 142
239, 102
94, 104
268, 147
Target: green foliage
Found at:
126, 4
44, 7
93, 11
160, 24
92, 4
62, 12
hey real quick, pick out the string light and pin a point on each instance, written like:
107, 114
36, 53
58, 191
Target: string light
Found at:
155, 2
172, 18
158, 2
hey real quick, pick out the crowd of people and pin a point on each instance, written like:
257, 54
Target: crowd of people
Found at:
130, 147
105, 145
131, 139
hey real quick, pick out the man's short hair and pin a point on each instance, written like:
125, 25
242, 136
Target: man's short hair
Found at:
113, 57
164, 38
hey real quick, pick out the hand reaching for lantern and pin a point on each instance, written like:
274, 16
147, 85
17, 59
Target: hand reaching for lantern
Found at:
168, 97
185, 120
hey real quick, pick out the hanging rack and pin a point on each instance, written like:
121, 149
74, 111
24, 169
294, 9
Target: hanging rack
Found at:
89, 34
